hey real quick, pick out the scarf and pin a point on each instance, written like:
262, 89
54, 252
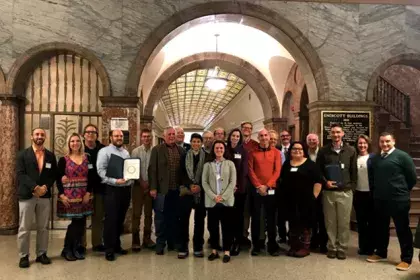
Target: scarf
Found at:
189, 165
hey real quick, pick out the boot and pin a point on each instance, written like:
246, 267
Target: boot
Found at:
305, 243
294, 245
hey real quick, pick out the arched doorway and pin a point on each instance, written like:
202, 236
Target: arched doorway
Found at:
61, 85
245, 13
303, 115
288, 111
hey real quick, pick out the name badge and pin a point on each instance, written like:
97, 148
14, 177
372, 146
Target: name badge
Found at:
239, 156
90, 166
271, 192
48, 165
218, 177
342, 166
293, 169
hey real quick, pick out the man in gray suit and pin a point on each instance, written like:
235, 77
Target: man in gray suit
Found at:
164, 181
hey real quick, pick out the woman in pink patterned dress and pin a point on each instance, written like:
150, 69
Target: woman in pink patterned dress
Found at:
74, 192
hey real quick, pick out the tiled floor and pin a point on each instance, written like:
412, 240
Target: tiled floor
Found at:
146, 265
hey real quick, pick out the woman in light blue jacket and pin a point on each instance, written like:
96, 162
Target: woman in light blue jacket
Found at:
219, 181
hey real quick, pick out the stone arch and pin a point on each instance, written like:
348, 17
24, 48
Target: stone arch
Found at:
2, 82
32, 57
254, 78
410, 59
259, 17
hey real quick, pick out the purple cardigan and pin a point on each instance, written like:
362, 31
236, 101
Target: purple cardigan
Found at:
239, 156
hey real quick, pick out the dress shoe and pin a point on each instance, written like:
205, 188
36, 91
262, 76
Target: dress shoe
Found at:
236, 249
24, 262
226, 258
121, 251
213, 256
78, 255
43, 259
199, 254
160, 252
331, 254
68, 255
98, 248
255, 251
182, 255
110, 257
149, 244
341, 255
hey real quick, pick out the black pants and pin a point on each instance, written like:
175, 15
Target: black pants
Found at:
363, 205
74, 234
117, 201
319, 232
167, 219
281, 224
224, 216
186, 204
238, 217
399, 211
269, 202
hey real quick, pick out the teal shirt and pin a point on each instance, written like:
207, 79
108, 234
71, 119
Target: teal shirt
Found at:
393, 177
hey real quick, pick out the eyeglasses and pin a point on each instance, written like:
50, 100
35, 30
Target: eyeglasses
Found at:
246, 127
297, 149
91, 132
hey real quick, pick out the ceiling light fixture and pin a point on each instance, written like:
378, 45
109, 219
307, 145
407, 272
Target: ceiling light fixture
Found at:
213, 81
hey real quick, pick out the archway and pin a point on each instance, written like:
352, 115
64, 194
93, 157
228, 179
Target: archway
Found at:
303, 114
229, 63
61, 84
2, 82
259, 17
288, 113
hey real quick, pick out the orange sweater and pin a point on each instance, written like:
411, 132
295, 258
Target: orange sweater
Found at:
264, 167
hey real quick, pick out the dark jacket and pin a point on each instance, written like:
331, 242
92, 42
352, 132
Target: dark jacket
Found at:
239, 156
158, 171
186, 147
28, 175
393, 177
61, 171
347, 156
97, 186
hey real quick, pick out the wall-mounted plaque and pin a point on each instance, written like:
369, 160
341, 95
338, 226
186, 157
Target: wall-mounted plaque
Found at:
354, 123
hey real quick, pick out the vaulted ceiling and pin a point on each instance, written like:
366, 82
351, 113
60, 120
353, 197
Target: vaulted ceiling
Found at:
190, 104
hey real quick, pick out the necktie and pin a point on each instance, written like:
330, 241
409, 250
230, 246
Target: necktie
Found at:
384, 155
285, 150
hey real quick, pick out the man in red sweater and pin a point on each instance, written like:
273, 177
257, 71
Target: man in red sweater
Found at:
264, 170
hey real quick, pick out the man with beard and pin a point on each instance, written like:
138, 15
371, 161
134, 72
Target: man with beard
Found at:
36, 170
208, 139
92, 147
117, 196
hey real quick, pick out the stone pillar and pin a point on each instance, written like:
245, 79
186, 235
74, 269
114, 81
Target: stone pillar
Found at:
121, 107
277, 124
9, 127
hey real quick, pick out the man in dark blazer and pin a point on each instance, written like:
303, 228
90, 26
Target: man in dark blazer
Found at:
180, 137
36, 170
164, 180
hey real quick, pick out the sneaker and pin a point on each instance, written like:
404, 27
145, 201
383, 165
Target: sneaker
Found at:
24, 262
341, 255
43, 259
375, 258
403, 266
331, 254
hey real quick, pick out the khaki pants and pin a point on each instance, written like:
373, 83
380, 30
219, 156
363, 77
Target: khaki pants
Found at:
98, 219
337, 211
141, 199
38, 208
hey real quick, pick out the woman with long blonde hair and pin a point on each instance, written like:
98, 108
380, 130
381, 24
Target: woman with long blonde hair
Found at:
74, 192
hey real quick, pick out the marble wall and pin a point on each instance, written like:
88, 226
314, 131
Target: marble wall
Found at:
351, 39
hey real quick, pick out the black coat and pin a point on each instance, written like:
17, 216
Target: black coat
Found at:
28, 175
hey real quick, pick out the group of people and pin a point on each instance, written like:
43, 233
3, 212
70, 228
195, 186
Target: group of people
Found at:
233, 180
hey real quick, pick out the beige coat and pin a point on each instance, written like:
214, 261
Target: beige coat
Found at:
209, 181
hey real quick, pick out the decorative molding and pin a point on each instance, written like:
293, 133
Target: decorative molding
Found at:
120, 101
147, 119
341, 105
7, 99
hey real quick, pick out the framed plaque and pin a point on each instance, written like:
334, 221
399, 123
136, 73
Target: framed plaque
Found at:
353, 123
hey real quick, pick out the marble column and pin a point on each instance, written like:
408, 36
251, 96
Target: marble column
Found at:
9, 127
277, 124
122, 107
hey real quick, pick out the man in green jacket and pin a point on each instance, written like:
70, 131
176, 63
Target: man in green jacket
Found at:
392, 175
